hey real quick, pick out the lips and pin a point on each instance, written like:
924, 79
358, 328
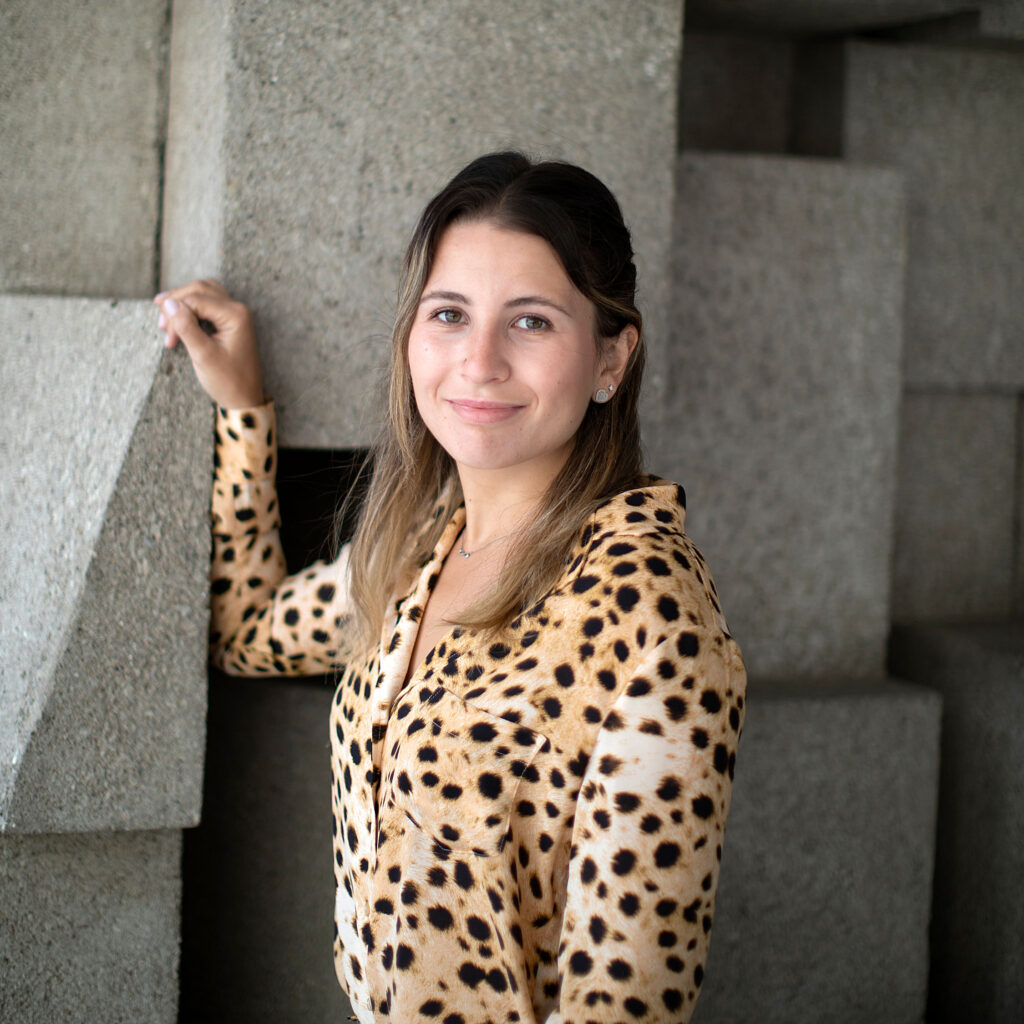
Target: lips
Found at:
471, 410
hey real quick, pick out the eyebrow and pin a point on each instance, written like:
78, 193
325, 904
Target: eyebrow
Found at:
522, 300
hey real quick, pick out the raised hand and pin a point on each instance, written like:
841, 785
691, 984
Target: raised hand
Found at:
224, 356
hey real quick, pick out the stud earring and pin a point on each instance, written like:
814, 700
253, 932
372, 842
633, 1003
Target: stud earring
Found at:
604, 394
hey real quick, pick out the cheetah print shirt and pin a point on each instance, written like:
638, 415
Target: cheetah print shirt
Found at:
531, 829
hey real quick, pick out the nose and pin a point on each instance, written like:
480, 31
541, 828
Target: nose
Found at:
485, 358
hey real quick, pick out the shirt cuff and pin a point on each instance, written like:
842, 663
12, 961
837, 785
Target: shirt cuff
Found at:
246, 443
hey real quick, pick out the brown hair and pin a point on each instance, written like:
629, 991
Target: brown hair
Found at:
580, 219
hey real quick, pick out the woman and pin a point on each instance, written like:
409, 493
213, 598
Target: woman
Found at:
535, 728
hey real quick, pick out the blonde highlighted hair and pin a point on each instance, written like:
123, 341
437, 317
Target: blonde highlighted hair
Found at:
412, 474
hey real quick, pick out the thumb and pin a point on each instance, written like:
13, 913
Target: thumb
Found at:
182, 323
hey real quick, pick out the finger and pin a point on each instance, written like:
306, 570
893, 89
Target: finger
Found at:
182, 324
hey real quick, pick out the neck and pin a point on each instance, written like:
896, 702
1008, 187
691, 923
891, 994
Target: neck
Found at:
498, 502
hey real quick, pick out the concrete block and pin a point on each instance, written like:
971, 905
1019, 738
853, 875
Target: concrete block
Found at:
337, 123
259, 890
825, 893
82, 104
978, 910
785, 377
734, 92
950, 120
799, 17
955, 506
1018, 591
105, 461
89, 928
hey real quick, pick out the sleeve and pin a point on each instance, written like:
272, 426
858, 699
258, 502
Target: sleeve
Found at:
265, 622
647, 837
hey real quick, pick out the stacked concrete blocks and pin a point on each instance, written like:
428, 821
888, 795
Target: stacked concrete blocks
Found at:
978, 916
103, 578
949, 118
785, 378
338, 123
82, 102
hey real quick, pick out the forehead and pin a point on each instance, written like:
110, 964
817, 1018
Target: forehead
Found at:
485, 253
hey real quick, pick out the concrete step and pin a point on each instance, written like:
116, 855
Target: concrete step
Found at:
825, 893
978, 917
105, 470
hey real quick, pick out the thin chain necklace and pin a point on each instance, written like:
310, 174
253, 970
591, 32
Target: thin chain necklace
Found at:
493, 540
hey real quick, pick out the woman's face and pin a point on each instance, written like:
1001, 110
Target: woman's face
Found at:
502, 353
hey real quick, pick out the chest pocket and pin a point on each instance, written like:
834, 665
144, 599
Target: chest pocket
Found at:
455, 769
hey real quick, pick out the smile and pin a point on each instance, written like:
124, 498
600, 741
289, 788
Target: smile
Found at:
474, 411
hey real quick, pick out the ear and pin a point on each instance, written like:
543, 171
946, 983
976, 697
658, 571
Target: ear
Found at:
615, 357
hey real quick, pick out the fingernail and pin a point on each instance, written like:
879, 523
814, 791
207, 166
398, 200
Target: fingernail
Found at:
171, 307
162, 322
159, 297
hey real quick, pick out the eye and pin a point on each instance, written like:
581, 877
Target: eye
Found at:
531, 322
448, 316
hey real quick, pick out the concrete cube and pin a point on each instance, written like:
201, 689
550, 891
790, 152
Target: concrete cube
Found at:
955, 507
785, 389
259, 887
89, 928
978, 913
824, 899
949, 118
734, 92
105, 461
322, 130
82, 105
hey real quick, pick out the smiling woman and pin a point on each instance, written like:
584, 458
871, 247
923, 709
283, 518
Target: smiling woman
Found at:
534, 732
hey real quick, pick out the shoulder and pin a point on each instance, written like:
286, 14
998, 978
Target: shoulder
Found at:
636, 554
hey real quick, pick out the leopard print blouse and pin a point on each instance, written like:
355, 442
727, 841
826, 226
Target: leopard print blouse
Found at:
531, 829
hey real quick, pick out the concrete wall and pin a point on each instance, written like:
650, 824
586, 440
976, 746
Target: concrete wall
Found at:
332, 124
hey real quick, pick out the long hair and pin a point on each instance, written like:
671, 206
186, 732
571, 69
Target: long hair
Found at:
413, 475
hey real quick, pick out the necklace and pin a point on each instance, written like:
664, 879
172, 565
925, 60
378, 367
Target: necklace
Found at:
493, 540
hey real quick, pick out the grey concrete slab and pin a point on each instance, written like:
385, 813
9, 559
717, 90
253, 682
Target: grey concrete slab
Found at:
954, 543
734, 92
339, 122
821, 16
106, 457
785, 385
978, 909
89, 928
824, 898
257, 927
82, 103
949, 118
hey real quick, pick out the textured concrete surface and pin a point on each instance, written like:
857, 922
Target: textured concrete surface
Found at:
82, 102
823, 903
734, 93
978, 923
341, 120
785, 377
106, 456
259, 891
819, 16
955, 507
89, 928
950, 120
